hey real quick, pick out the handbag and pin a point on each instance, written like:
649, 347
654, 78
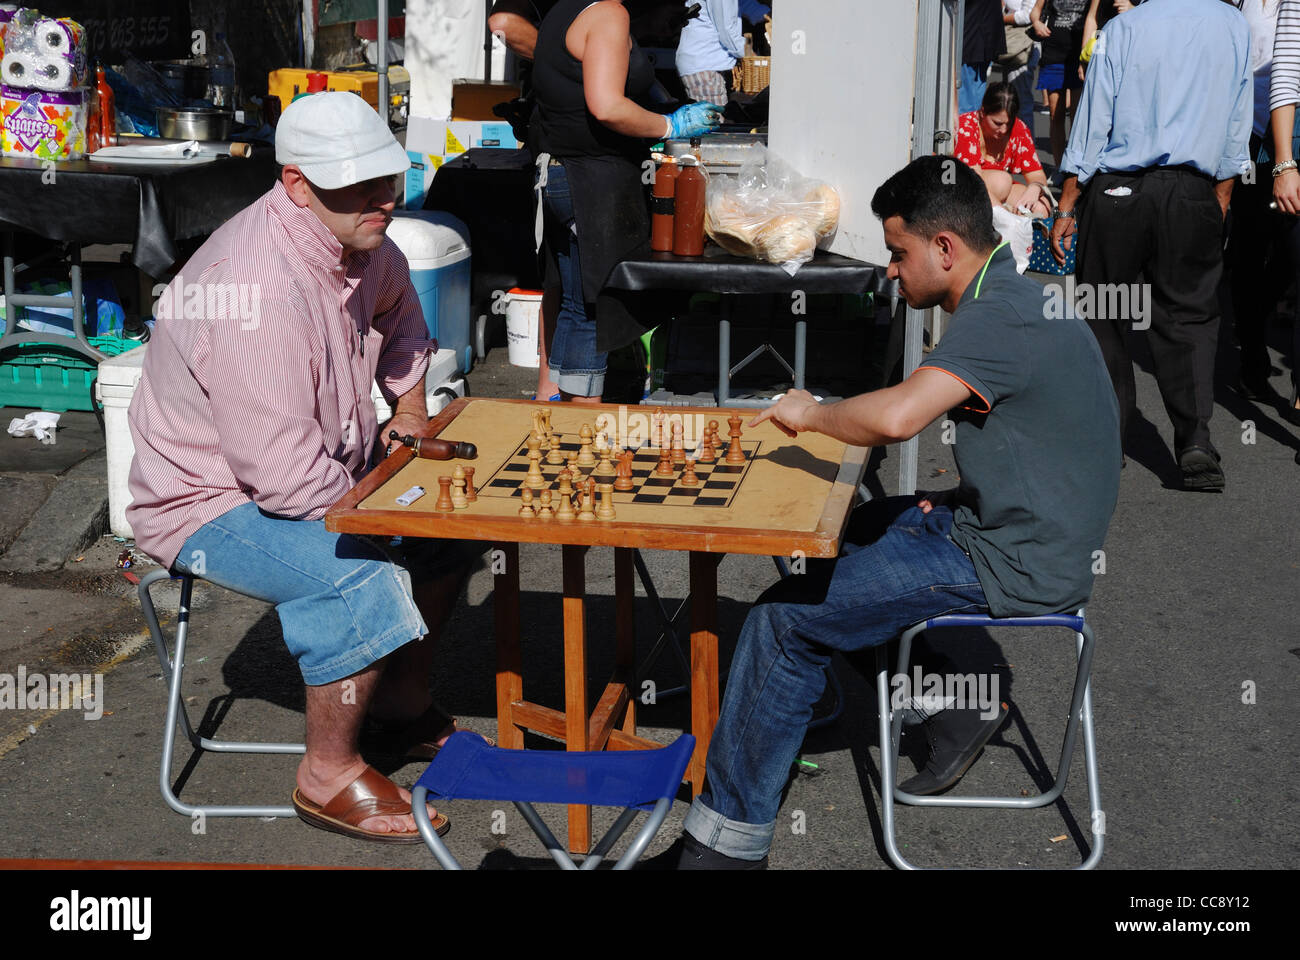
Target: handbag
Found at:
1041, 259
1019, 48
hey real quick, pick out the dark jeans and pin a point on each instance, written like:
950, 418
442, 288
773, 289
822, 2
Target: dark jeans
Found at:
1264, 255
1166, 227
898, 566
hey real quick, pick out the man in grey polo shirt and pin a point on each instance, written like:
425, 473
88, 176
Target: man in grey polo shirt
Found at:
1037, 430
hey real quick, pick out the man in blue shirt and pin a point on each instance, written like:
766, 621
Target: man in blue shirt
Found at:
709, 47
1160, 133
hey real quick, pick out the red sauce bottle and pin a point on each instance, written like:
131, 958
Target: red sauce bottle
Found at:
662, 204
107, 110
688, 209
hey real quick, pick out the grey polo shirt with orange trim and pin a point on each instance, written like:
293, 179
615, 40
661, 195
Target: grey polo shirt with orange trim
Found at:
1037, 445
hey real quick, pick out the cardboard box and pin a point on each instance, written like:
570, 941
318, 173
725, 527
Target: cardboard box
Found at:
431, 143
474, 99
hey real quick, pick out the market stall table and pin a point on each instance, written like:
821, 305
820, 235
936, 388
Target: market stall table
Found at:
787, 497
721, 272
150, 206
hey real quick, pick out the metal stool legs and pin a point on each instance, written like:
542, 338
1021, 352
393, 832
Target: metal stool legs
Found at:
1080, 716
172, 671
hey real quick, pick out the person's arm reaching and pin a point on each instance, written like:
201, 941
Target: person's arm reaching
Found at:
883, 416
1284, 92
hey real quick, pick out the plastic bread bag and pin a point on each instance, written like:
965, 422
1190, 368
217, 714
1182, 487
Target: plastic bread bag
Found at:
768, 211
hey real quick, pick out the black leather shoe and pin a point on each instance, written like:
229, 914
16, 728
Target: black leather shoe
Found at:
1256, 388
696, 856
956, 738
1201, 470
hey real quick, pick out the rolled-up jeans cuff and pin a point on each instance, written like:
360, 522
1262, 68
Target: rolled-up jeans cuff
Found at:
731, 838
579, 383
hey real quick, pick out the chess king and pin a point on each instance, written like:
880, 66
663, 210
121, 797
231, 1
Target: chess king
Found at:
1038, 454
247, 429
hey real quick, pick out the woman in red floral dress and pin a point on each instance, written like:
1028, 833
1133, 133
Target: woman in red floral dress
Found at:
997, 145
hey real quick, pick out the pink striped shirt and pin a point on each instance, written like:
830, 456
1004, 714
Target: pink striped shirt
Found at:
257, 379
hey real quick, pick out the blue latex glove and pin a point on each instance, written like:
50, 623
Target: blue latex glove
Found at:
693, 120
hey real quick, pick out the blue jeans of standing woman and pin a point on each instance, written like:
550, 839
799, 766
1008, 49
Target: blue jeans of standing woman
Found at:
577, 367
898, 566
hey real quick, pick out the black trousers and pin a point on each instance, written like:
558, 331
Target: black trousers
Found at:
1164, 226
1264, 256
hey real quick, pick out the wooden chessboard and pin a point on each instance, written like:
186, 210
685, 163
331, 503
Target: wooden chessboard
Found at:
790, 493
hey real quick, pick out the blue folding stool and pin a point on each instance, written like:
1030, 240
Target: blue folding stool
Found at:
467, 768
1080, 717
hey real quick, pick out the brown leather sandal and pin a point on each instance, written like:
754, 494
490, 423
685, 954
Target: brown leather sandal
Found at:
371, 794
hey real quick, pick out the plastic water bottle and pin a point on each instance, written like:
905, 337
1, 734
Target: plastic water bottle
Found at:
222, 90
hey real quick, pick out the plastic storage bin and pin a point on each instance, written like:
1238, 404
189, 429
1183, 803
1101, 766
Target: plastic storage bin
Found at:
437, 248
47, 376
118, 377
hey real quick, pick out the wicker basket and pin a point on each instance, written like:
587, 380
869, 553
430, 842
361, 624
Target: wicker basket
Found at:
752, 74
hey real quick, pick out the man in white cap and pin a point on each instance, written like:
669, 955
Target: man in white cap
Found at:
254, 416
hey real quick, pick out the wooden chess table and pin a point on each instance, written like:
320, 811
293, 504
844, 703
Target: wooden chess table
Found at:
789, 498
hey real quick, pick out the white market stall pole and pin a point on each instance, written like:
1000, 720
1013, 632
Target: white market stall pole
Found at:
856, 94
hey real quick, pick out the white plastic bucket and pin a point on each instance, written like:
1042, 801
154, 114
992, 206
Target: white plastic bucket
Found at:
523, 309
117, 379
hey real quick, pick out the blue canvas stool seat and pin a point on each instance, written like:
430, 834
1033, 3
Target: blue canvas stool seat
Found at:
173, 669
1080, 717
467, 768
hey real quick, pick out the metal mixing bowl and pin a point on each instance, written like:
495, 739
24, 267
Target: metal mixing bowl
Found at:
194, 123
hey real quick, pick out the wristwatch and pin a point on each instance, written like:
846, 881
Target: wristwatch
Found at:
1283, 167
1064, 214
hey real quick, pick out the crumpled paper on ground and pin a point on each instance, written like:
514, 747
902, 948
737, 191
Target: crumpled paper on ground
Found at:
38, 424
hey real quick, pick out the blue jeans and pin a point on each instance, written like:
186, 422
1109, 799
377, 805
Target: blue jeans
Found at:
898, 566
344, 601
1024, 86
974, 81
576, 366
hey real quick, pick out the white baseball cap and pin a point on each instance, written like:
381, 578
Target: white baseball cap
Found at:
337, 139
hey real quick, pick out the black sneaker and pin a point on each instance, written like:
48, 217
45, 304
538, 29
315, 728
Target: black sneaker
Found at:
1201, 470
956, 738
694, 855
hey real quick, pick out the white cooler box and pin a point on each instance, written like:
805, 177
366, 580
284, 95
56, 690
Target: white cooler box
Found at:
118, 377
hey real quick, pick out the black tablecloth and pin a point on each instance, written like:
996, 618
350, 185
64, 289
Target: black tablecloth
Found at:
149, 207
721, 272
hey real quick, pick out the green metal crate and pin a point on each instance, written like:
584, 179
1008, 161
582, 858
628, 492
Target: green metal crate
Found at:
49, 376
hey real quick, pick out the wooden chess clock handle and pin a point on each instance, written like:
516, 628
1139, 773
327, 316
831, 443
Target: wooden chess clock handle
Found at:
433, 448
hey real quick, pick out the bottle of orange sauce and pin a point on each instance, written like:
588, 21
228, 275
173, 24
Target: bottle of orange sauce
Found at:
662, 203
688, 208
107, 109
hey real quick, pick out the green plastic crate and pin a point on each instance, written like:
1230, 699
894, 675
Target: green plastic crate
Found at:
49, 376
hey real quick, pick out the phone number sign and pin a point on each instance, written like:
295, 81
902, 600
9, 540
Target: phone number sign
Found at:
153, 29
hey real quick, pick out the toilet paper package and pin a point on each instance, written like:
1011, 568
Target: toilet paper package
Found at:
43, 53
42, 124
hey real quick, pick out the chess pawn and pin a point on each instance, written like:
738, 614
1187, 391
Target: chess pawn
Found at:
606, 511
565, 509
604, 468
588, 502
679, 450
585, 436
708, 453
574, 472
544, 512
657, 428
712, 434
554, 455
689, 479
459, 500
665, 468
566, 483
526, 507
471, 494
